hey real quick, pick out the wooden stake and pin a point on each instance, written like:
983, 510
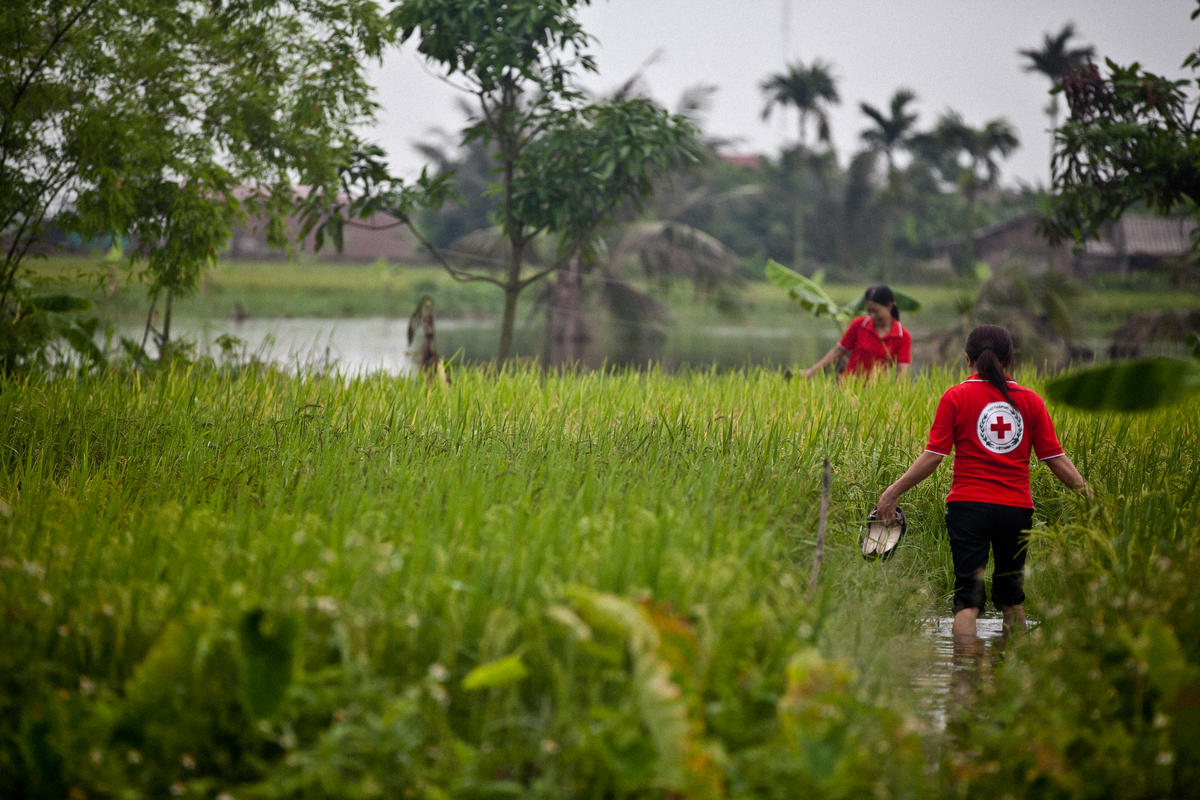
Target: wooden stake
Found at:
812, 581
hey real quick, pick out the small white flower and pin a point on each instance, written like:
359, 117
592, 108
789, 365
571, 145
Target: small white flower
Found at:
438, 672
326, 605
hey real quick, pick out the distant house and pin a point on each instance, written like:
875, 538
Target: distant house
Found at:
753, 163
1132, 243
1136, 243
1017, 241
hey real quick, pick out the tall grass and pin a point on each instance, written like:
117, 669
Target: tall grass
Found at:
628, 551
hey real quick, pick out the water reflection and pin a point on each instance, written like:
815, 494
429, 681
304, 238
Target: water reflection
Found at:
379, 344
959, 664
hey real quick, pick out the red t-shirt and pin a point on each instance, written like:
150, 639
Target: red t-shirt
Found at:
868, 350
992, 441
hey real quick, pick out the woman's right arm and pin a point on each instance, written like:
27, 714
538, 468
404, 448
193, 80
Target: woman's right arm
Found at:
833, 355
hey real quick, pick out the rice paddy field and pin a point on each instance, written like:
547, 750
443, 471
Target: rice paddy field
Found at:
245, 583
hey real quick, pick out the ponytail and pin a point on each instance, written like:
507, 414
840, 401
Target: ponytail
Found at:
990, 349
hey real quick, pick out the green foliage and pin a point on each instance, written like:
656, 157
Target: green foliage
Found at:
1124, 667
270, 586
164, 123
1131, 139
499, 44
588, 163
43, 330
806, 292
564, 166
810, 296
1134, 385
267, 661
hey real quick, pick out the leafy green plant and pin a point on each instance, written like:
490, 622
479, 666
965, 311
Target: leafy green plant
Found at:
43, 330
812, 297
1134, 385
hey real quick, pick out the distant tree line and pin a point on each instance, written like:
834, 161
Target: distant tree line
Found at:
164, 124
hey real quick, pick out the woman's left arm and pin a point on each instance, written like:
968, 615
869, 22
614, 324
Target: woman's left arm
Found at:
901, 370
1064, 469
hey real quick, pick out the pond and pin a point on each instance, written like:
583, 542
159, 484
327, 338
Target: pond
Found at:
379, 344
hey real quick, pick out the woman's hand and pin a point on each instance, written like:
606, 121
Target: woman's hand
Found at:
885, 506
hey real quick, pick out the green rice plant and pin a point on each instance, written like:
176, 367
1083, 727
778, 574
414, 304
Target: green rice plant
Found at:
529, 583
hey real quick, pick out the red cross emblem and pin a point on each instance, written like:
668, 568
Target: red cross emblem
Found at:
1000, 428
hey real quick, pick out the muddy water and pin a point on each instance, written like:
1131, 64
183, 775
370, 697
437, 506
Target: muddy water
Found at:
958, 665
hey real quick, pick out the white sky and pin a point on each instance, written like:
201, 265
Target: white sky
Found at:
955, 54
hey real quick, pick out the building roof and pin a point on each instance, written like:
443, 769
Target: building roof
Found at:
1157, 236
1144, 236
749, 162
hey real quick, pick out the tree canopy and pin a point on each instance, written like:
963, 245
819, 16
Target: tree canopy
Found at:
564, 165
1133, 137
166, 122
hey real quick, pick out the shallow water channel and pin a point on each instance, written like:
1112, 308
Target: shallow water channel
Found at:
958, 666
379, 344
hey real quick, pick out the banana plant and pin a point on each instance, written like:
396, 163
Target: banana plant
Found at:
809, 295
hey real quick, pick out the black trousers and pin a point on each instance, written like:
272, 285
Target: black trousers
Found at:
976, 528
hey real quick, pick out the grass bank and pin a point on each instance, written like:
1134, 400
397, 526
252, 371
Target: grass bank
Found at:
252, 584
312, 288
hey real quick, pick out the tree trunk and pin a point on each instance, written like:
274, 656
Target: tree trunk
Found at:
798, 217
566, 330
165, 342
512, 290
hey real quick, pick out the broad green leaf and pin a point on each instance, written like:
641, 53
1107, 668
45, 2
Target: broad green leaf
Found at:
501, 672
268, 658
805, 292
1136, 385
59, 302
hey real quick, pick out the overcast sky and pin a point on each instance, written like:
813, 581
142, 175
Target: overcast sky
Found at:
954, 54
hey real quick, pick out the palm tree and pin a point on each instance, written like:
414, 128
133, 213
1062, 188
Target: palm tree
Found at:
1054, 60
890, 133
810, 90
968, 157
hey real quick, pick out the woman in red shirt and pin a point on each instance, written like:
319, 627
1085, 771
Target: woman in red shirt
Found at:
992, 425
874, 342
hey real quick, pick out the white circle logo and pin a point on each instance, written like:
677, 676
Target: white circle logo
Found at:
1000, 427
